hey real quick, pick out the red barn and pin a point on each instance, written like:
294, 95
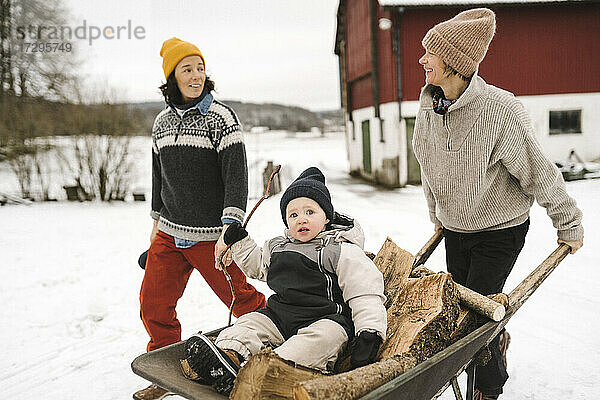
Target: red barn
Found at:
546, 52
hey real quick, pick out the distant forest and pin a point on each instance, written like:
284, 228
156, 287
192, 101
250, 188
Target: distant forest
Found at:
271, 116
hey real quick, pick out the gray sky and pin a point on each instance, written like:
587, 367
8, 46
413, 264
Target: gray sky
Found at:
278, 51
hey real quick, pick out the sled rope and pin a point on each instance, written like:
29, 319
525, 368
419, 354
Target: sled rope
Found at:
220, 258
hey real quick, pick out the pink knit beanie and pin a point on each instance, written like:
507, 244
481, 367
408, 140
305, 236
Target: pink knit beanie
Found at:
461, 42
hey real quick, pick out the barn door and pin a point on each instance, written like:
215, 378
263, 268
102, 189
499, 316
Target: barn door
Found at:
366, 143
413, 167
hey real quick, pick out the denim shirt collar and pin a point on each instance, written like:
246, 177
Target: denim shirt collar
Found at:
205, 103
202, 106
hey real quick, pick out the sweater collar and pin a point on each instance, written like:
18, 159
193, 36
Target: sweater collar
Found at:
474, 90
463, 114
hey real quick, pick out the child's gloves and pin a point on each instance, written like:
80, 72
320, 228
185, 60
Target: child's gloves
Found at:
234, 233
364, 349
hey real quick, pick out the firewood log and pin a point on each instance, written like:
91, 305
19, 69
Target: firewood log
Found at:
355, 383
268, 376
395, 265
424, 309
469, 298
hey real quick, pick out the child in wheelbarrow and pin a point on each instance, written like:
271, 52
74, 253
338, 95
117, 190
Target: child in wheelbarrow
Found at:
326, 291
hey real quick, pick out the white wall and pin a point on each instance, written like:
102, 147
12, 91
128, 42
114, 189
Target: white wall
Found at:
394, 143
557, 147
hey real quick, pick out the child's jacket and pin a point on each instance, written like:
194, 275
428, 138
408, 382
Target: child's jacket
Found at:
327, 277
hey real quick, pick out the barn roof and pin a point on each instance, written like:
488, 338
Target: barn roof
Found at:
434, 3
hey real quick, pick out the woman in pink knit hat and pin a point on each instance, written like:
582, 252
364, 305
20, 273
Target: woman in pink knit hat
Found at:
482, 168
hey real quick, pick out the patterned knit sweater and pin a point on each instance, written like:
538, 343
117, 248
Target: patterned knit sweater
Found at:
199, 172
482, 167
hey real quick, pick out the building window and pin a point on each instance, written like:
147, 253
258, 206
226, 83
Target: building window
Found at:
567, 121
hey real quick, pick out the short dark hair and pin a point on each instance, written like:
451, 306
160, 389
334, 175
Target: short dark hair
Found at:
172, 94
449, 70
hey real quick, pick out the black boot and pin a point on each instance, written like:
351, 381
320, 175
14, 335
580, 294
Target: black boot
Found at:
206, 363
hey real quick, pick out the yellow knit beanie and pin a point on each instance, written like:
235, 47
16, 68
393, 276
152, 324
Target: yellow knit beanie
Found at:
461, 42
174, 50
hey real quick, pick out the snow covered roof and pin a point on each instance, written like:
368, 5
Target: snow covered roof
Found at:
429, 3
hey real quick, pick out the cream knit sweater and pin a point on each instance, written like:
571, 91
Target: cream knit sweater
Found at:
482, 167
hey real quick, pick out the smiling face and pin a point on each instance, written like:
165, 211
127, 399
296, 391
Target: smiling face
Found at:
305, 218
435, 69
190, 76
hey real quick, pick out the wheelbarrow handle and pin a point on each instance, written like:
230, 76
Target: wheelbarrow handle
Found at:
429, 247
525, 289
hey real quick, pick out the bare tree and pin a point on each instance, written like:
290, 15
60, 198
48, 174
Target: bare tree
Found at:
6, 77
42, 161
35, 73
99, 160
100, 166
40, 98
22, 164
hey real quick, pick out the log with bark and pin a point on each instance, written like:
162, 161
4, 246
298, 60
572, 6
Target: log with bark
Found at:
268, 376
422, 317
471, 299
395, 265
355, 383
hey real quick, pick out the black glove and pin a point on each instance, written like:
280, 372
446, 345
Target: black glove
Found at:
142, 259
234, 233
364, 349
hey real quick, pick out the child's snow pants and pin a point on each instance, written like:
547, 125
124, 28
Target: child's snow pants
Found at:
316, 346
167, 272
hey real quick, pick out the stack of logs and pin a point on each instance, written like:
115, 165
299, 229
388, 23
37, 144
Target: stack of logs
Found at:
426, 313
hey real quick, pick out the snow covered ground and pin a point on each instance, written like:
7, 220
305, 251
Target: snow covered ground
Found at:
69, 278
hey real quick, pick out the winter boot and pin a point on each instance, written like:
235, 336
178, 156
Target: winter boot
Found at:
206, 363
503, 344
152, 392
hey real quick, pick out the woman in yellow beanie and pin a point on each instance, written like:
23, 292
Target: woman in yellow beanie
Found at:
481, 170
199, 187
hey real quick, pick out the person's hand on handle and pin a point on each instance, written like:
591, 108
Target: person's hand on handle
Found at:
220, 246
234, 233
573, 244
154, 230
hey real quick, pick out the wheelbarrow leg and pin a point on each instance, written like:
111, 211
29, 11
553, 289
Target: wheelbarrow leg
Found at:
470, 381
456, 389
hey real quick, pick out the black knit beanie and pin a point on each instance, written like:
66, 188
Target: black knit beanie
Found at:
311, 184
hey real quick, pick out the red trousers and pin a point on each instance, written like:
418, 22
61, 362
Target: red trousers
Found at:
167, 272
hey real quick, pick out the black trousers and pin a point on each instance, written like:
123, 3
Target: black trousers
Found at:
482, 261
